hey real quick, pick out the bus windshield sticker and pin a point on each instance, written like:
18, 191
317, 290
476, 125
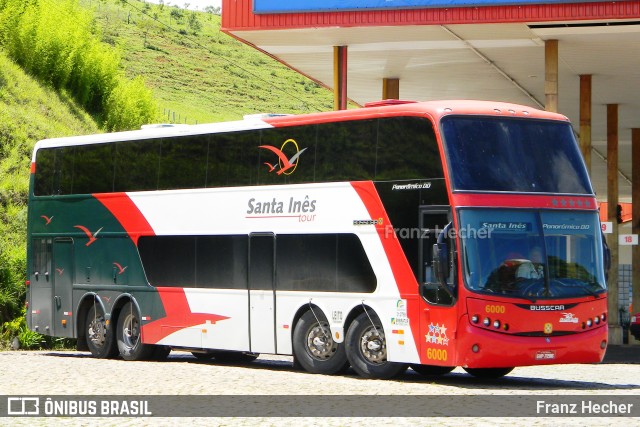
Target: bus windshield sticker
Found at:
507, 226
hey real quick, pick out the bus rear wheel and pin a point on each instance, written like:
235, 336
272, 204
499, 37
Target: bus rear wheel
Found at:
314, 347
431, 370
367, 349
488, 373
99, 335
129, 335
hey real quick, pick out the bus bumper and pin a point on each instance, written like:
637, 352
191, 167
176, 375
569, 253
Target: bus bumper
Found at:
478, 348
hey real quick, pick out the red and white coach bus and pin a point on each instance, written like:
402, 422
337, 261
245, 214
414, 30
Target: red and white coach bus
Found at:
430, 235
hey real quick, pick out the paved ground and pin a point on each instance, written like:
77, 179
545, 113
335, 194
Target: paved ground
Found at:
623, 354
75, 373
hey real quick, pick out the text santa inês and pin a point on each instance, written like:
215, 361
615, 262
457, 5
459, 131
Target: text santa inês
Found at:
275, 206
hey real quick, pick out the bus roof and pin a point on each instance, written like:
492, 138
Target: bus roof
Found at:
434, 109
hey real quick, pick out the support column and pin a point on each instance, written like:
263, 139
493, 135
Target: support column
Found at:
340, 77
551, 75
390, 88
615, 330
585, 119
635, 221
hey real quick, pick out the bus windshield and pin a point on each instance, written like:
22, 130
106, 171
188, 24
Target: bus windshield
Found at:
511, 154
532, 254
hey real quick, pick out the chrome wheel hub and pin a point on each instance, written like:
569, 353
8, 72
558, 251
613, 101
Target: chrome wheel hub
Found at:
320, 344
373, 346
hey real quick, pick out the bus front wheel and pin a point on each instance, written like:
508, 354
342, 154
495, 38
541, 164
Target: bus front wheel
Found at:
99, 335
129, 335
488, 373
367, 349
314, 347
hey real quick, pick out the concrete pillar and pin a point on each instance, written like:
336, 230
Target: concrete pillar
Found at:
551, 75
585, 119
615, 330
390, 88
635, 220
340, 77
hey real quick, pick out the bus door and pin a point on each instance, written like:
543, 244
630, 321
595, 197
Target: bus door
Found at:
439, 323
262, 292
40, 287
62, 278
433, 220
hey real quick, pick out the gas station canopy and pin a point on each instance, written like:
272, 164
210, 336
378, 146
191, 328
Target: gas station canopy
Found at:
464, 49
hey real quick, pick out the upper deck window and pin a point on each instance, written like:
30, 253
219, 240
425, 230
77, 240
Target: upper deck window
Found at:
385, 149
517, 155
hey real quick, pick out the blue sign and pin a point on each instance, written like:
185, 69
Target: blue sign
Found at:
289, 6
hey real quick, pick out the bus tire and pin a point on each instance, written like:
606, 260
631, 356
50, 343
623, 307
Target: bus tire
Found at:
431, 370
129, 335
314, 347
488, 373
99, 335
367, 349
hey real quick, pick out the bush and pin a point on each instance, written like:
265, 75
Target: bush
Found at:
29, 340
56, 41
129, 105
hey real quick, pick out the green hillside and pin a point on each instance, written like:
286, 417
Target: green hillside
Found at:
29, 111
198, 72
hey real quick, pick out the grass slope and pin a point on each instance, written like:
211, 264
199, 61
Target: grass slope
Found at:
28, 112
202, 74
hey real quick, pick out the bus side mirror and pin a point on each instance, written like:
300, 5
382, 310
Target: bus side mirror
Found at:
440, 263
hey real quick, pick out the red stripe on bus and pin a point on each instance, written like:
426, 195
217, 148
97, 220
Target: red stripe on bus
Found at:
178, 316
525, 201
127, 213
405, 280
33, 167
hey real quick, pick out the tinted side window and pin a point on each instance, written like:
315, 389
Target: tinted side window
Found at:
195, 261
221, 262
233, 159
169, 260
407, 149
65, 163
346, 151
93, 171
45, 171
137, 165
324, 263
184, 162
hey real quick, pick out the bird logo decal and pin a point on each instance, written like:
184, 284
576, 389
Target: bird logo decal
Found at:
121, 269
92, 236
47, 220
285, 164
60, 271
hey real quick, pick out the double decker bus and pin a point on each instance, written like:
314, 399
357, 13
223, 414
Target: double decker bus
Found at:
433, 235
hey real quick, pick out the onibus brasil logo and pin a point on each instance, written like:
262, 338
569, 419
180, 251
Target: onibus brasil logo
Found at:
285, 164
